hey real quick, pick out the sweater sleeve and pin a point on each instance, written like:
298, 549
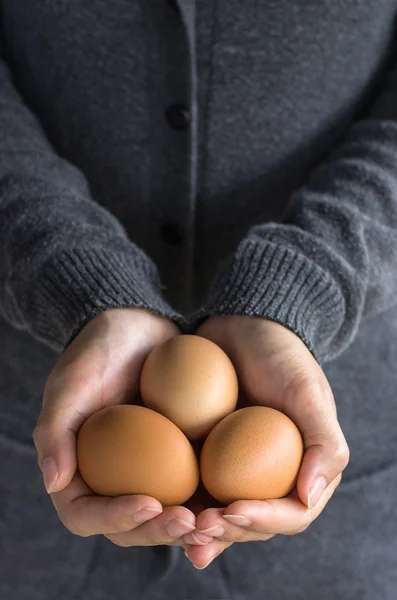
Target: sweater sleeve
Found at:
63, 258
331, 261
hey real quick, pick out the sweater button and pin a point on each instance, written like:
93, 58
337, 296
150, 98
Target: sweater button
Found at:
171, 234
178, 116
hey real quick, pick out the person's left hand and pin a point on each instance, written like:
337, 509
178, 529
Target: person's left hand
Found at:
275, 369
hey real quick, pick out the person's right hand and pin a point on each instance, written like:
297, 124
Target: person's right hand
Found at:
101, 367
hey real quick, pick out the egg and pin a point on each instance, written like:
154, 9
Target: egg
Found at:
253, 454
130, 449
192, 382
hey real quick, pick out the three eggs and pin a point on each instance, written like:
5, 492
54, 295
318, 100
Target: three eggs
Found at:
189, 389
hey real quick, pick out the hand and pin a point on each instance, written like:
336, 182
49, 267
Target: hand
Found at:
276, 369
101, 368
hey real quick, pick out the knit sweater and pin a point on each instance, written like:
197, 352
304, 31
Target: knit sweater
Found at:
286, 149
217, 157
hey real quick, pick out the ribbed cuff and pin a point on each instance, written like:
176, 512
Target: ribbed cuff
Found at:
81, 283
266, 279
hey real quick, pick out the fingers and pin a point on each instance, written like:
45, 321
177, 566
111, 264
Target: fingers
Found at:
165, 529
286, 516
212, 522
255, 520
196, 538
202, 556
85, 514
125, 520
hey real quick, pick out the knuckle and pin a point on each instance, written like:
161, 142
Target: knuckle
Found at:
40, 432
72, 525
42, 435
337, 480
65, 378
36, 436
305, 525
117, 540
341, 455
301, 529
306, 393
309, 390
115, 518
301, 386
51, 387
237, 535
275, 515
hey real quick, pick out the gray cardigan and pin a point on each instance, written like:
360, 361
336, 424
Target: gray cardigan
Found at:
233, 157
115, 128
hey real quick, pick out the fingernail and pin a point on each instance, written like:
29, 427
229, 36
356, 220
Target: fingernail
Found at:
316, 491
214, 531
178, 527
241, 520
50, 473
198, 538
146, 513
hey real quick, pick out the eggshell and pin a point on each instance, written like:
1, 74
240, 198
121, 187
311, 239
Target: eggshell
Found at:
133, 450
191, 381
253, 454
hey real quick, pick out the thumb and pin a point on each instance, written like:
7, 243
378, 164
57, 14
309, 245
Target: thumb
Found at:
326, 452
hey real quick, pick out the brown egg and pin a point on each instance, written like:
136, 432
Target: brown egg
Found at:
192, 382
253, 454
133, 450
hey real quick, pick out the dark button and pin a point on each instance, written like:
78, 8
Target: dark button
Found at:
178, 116
171, 234
174, 5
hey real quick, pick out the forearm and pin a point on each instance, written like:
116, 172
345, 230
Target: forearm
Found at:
63, 258
332, 259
